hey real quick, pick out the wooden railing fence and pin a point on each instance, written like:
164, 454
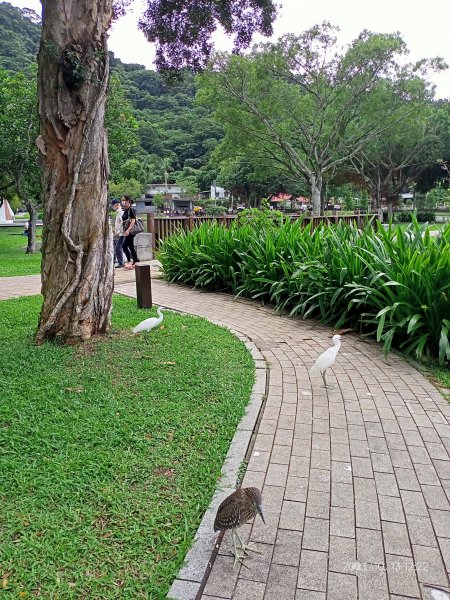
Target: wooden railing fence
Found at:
163, 227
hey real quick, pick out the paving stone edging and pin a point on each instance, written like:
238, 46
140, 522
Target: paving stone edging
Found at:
189, 580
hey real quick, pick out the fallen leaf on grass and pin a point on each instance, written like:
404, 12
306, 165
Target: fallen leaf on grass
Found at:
78, 389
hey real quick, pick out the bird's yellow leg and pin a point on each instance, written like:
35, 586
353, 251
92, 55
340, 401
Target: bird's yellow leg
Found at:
238, 558
246, 548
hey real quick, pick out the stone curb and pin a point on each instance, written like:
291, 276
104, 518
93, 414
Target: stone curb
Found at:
198, 561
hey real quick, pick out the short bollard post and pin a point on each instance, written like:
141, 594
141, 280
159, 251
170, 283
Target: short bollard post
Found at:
143, 286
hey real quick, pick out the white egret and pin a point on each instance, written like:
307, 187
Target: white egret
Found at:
150, 323
326, 359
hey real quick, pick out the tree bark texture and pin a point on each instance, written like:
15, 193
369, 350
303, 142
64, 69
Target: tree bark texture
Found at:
77, 255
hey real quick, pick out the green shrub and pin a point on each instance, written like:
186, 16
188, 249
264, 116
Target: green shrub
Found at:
392, 283
426, 216
403, 216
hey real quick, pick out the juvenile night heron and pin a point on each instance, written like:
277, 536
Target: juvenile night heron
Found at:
326, 359
241, 506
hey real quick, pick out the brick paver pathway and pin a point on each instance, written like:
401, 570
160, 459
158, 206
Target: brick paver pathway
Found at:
355, 479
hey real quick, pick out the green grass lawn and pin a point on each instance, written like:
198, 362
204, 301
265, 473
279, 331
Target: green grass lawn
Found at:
111, 451
12, 250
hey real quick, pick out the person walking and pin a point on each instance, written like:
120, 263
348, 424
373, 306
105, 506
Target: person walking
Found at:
118, 236
129, 219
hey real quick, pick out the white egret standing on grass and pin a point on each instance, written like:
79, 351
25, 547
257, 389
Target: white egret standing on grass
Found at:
150, 323
326, 359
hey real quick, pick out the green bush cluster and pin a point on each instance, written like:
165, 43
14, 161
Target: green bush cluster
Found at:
393, 283
422, 216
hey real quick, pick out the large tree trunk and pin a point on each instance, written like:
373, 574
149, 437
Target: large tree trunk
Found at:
316, 195
77, 256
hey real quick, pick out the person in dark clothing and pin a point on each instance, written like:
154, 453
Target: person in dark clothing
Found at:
129, 219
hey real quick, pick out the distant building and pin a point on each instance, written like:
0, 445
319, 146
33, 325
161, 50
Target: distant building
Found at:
218, 192
174, 197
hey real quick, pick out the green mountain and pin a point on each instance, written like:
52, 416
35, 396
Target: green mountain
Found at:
170, 125
20, 32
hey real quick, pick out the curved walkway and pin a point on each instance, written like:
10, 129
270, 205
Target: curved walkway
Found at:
355, 479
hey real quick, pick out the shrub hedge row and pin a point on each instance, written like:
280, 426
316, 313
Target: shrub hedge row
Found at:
393, 283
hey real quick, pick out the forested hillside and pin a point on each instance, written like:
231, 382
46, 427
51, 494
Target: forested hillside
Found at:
19, 37
169, 125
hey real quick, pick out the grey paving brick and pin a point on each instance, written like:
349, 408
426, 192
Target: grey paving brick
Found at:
318, 504
386, 484
372, 582
292, 515
427, 475
395, 441
396, 539
407, 479
316, 534
365, 490
381, 463
443, 468
437, 450
280, 455
254, 479
319, 480
281, 583
342, 554
341, 586
419, 456
377, 444
222, 579
287, 548
435, 497
342, 495
276, 475
401, 576
413, 503
312, 573
259, 461
369, 546
299, 466
341, 472
444, 545
441, 522
249, 590
429, 566
362, 467
367, 515
391, 509
421, 530
296, 489
257, 565
342, 522
263, 442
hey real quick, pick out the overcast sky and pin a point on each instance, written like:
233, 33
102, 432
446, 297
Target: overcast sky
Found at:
424, 27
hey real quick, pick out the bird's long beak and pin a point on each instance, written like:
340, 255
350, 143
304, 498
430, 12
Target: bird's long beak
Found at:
261, 513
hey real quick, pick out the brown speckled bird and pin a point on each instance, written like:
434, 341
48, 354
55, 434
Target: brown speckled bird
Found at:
240, 506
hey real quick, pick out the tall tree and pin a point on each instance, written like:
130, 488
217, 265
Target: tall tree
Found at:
19, 124
391, 163
307, 108
77, 271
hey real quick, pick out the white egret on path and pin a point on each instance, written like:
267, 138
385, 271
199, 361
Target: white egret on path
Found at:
326, 359
150, 323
